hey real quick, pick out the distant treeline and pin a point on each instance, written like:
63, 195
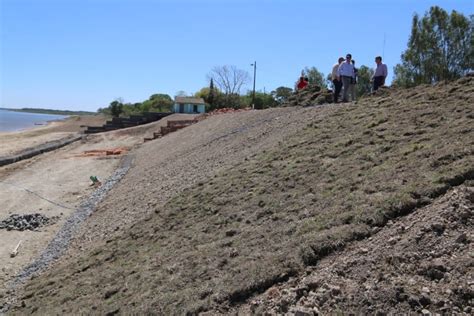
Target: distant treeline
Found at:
49, 111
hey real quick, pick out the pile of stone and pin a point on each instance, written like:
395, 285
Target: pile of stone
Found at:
26, 222
309, 96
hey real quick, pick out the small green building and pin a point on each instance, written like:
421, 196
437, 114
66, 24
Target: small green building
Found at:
189, 105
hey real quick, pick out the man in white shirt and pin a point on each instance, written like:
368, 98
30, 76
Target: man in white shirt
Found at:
380, 73
336, 80
346, 74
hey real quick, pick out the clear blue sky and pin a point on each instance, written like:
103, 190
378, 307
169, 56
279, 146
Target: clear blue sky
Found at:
83, 54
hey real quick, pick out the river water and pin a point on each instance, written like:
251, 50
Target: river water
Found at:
14, 121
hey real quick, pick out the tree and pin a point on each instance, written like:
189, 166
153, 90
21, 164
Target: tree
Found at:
440, 47
262, 100
364, 76
158, 102
315, 77
228, 101
212, 94
116, 108
161, 102
203, 93
229, 79
129, 108
105, 111
404, 76
281, 94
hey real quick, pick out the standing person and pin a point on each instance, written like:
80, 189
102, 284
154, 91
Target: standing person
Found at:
346, 73
354, 81
336, 80
380, 73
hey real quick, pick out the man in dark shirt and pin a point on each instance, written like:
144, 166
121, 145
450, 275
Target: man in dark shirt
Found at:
335, 79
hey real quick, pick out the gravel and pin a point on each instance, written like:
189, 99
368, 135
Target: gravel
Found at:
26, 222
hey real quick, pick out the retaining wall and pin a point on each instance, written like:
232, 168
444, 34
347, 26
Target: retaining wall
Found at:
31, 152
124, 122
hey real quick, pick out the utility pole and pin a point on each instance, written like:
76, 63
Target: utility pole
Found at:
254, 77
383, 49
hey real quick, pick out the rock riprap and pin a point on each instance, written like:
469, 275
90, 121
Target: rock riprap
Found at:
26, 222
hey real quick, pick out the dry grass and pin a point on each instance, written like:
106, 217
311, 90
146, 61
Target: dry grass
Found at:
262, 221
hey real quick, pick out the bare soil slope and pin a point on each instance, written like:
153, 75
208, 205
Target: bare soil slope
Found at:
270, 217
419, 263
168, 166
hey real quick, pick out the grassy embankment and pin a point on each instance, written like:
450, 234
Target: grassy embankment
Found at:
279, 211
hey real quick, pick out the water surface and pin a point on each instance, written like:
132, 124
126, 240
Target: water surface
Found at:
14, 121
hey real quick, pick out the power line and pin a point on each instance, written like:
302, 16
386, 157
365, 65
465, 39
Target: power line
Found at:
36, 194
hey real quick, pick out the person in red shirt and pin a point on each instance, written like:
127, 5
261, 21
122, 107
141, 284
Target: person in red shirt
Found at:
302, 83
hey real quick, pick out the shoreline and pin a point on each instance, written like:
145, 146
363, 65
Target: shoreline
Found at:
15, 121
14, 142
36, 125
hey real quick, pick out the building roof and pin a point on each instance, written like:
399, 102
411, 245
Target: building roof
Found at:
189, 100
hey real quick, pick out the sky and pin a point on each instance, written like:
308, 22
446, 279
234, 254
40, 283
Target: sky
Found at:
83, 54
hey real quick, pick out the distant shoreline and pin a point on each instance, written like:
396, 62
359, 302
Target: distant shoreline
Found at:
35, 126
50, 111
52, 125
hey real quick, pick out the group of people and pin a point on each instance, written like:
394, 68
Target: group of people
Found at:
344, 77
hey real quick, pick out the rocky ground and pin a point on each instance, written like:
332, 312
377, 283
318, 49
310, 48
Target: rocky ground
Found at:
419, 263
26, 222
322, 208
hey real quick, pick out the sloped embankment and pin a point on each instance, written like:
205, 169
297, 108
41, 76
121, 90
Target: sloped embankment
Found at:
418, 263
218, 243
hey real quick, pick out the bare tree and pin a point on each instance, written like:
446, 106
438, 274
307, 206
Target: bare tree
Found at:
229, 79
